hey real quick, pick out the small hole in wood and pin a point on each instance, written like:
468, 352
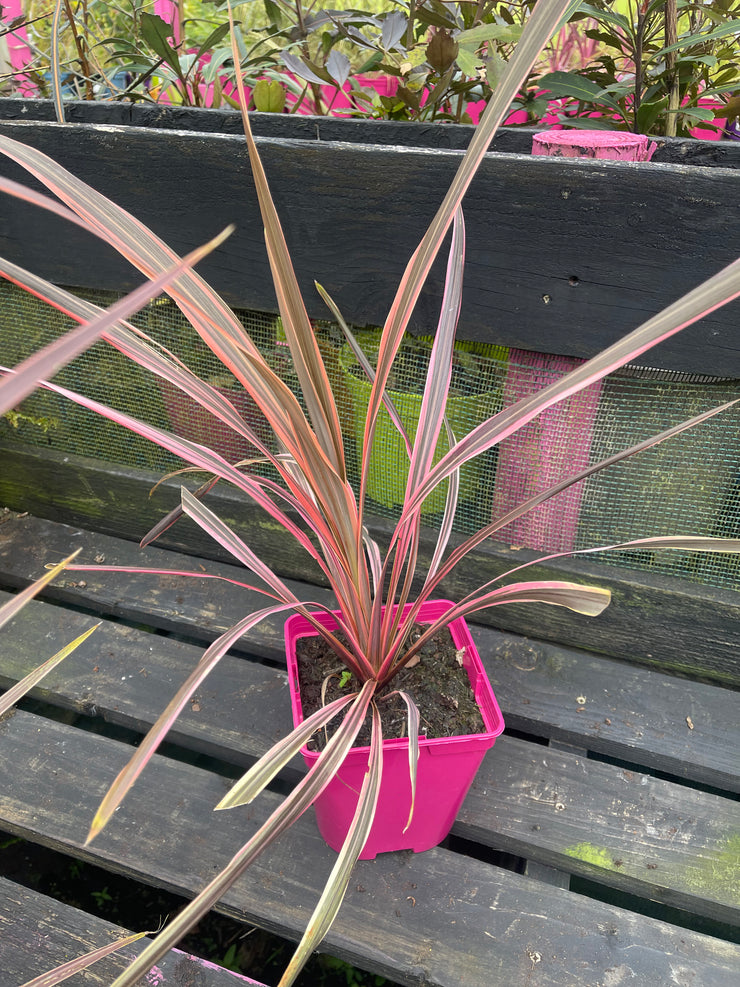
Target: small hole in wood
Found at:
573, 280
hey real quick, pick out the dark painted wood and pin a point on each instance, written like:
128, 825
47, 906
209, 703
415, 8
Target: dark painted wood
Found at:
618, 826
557, 808
497, 926
514, 140
664, 621
120, 500
127, 675
541, 274
203, 608
628, 710
38, 933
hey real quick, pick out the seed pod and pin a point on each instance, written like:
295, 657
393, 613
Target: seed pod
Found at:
442, 50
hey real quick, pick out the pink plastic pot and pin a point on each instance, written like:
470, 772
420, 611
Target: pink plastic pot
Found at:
446, 766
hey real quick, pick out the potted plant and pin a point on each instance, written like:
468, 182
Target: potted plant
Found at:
380, 627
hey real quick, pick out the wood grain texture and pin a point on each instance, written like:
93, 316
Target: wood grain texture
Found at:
38, 933
634, 714
542, 277
398, 909
658, 621
557, 808
620, 827
627, 710
514, 140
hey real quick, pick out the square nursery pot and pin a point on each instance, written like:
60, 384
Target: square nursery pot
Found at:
446, 767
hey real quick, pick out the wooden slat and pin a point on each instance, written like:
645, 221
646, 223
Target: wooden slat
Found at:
496, 925
514, 140
665, 622
561, 809
543, 275
620, 827
126, 676
631, 714
38, 933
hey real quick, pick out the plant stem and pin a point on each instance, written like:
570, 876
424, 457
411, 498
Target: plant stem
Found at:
410, 26
671, 37
639, 37
315, 87
81, 53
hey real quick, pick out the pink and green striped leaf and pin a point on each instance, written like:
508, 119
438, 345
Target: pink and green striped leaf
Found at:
156, 734
71, 967
291, 809
336, 886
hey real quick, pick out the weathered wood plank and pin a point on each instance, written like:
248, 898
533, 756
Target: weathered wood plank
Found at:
496, 925
120, 500
167, 602
127, 676
634, 832
38, 933
551, 280
659, 621
514, 140
626, 710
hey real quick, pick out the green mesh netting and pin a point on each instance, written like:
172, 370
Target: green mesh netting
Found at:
689, 485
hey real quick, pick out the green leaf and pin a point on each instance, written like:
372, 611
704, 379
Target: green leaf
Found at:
435, 14
156, 32
495, 65
476, 36
726, 30
648, 113
338, 67
394, 27
468, 60
18, 691
607, 16
213, 39
577, 86
308, 71
372, 63
589, 123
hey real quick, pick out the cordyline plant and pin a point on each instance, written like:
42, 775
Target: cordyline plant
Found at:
312, 497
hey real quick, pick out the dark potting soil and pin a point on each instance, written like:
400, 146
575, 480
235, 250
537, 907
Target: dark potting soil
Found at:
438, 685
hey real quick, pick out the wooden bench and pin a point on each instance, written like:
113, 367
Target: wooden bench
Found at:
613, 782
612, 795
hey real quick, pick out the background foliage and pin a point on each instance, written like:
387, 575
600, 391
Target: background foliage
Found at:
642, 65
